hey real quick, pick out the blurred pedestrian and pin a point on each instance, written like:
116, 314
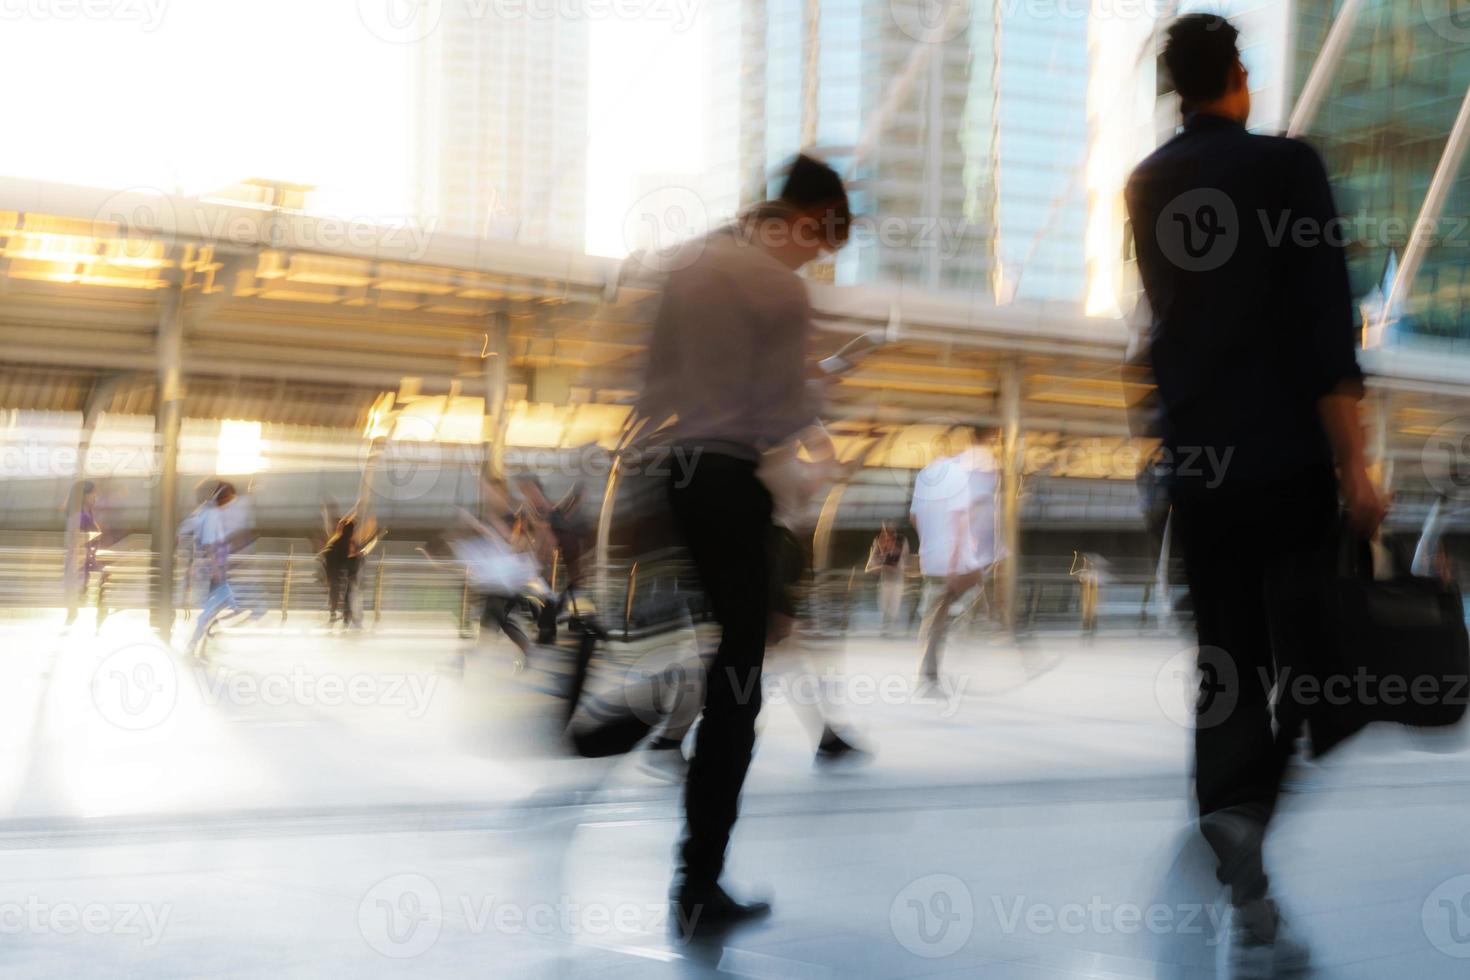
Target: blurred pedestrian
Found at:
341, 562
1091, 571
726, 380
1252, 349
889, 558
560, 530
954, 511
219, 527
83, 561
798, 475
501, 567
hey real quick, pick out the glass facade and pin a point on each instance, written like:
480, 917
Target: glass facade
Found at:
1039, 115
982, 159
784, 71
1382, 128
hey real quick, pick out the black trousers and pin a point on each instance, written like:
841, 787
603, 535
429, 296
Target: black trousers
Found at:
1245, 550
495, 612
341, 584
724, 516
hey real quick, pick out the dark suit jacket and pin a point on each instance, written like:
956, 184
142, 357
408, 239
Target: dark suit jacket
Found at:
1241, 255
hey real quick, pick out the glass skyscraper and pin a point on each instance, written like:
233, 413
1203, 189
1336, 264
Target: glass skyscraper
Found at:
1382, 128
975, 181
499, 141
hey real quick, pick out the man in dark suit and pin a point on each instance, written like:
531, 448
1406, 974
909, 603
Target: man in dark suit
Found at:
1252, 350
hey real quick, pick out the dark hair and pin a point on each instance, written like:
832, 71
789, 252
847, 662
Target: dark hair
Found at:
1199, 54
814, 188
984, 432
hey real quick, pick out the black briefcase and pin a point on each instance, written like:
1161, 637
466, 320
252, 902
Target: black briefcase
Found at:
1398, 650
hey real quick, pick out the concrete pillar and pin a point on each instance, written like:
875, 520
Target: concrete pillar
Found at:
496, 363
811, 53
1009, 531
167, 416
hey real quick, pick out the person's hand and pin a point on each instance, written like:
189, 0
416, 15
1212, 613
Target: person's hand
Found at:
1365, 507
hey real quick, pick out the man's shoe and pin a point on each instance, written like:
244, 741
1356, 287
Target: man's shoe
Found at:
1262, 945
1237, 835
835, 750
701, 911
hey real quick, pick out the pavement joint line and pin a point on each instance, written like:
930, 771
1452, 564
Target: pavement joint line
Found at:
607, 809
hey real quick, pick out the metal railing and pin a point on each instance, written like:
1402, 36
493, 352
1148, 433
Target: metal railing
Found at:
35, 577
645, 595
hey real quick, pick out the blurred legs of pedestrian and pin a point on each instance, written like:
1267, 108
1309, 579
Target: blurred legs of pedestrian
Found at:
682, 690
890, 600
806, 663
341, 586
723, 513
1234, 545
495, 614
1090, 600
940, 594
809, 665
806, 647
220, 601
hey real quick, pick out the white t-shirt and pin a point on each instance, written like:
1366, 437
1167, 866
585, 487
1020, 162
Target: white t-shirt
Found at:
954, 512
214, 525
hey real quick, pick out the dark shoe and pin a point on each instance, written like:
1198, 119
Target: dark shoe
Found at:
835, 750
703, 911
1237, 835
1262, 944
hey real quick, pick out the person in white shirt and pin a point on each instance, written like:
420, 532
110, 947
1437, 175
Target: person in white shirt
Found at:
726, 381
954, 512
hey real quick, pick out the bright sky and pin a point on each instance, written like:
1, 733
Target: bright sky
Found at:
647, 108
193, 95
